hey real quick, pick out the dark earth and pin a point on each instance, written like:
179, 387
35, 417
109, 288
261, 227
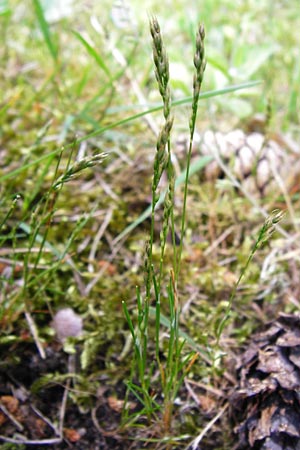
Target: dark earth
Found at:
31, 411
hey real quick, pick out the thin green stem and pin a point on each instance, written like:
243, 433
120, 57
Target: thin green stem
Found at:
200, 64
264, 234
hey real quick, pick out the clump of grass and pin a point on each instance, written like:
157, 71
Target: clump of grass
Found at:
40, 260
174, 367
175, 364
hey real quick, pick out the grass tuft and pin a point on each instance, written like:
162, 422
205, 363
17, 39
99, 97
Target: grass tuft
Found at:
174, 367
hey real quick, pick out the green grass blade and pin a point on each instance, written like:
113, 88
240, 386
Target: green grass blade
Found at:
129, 321
100, 131
166, 323
40, 239
45, 29
180, 102
92, 52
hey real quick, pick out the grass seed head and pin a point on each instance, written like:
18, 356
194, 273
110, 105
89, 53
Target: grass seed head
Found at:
161, 63
199, 60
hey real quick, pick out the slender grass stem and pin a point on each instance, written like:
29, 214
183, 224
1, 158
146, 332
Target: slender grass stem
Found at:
200, 64
172, 370
263, 236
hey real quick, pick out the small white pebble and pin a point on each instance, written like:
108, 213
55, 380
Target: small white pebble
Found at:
67, 323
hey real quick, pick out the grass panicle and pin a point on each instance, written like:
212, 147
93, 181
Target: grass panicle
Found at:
161, 63
75, 169
200, 64
161, 159
264, 235
162, 162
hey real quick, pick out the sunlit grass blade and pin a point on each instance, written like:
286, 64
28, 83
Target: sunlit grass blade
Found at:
45, 29
127, 120
93, 53
179, 102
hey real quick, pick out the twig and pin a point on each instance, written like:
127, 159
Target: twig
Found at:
192, 392
113, 433
10, 262
98, 237
45, 419
194, 444
218, 241
31, 442
34, 333
13, 251
11, 417
63, 408
206, 387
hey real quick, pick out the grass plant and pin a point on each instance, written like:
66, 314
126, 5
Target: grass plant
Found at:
176, 365
173, 370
